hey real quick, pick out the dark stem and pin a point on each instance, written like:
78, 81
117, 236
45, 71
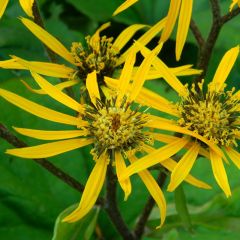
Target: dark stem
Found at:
229, 16
206, 50
197, 34
51, 55
13, 140
139, 229
38, 20
112, 207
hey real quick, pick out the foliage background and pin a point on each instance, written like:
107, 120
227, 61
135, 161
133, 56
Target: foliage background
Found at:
31, 199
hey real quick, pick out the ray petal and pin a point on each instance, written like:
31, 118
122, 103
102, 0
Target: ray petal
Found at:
183, 25
91, 191
48, 40
124, 6
170, 164
155, 157
38, 110
120, 168
153, 189
126, 35
92, 87
49, 149
234, 156
171, 19
183, 167
45, 68
11, 64
50, 135
56, 94
219, 172
3, 5
27, 6
224, 68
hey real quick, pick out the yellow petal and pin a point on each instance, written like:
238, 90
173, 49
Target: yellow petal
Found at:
49, 149
183, 26
169, 77
171, 19
27, 6
158, 124
92, 87
95, 39
153, 189
140, 76
170, 164
125, 77
120, 168
11, 64
234, 2
38, 110
124, 6
219, 172
224, 68
234, 156
144, 39
45, 68
183, 167
60, 86
50, 135
155, 157
57, 94
153, 100
3, 5
48, 40
125, 36
91, 191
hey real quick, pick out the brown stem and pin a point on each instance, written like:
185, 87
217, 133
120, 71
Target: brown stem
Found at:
139, 229
112, 207
13, 140
206, 50
197, 34
229, 16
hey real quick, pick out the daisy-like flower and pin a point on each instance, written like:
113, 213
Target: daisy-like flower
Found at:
234, 2
101, 54
208, 120
26, 5
115, 127
181, 9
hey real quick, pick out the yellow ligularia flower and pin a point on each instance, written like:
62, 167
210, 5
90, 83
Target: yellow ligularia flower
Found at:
209, 120
115, 128
234, 2
26, 5
101, 54
178, 8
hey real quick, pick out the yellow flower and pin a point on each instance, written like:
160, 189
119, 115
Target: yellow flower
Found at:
102, 55
209, 120
112, 125
27, 6
181, 8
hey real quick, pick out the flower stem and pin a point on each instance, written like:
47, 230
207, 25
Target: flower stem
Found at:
112, 208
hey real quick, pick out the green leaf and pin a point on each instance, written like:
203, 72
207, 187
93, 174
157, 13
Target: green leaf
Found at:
82, 229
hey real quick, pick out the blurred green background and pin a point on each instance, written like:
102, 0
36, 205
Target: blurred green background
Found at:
31, 199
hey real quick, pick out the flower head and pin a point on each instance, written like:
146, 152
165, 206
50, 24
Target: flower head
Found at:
114, 125
210, 122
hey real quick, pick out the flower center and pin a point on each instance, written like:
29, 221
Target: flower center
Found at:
116, 127
99, 56
213, 115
